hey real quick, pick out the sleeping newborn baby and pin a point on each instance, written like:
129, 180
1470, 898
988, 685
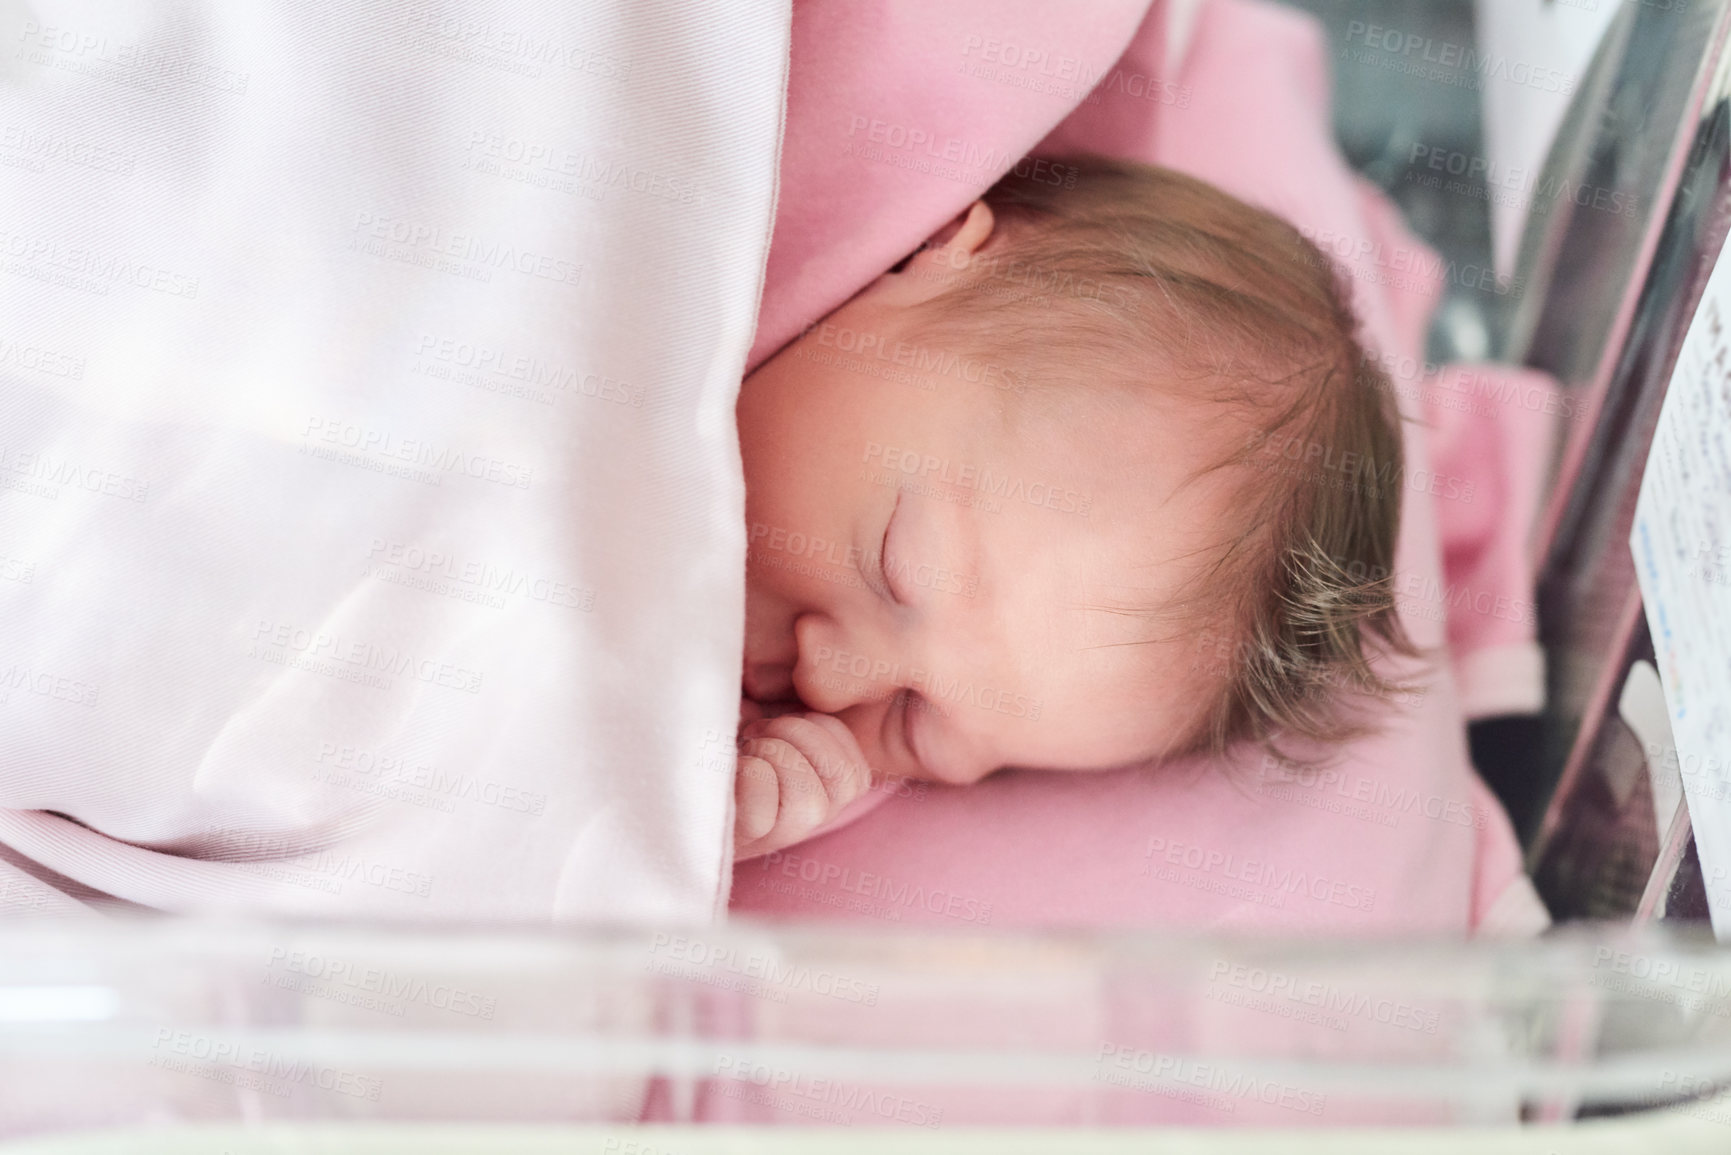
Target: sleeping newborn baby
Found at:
1097, 478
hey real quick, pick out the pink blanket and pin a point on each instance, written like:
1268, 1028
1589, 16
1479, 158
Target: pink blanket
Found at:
1399, 836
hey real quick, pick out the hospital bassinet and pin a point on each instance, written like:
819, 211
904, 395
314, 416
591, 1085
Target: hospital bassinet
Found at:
209, 1037
206, 1036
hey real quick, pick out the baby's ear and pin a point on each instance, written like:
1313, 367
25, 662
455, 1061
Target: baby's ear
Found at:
946, 253
966, 233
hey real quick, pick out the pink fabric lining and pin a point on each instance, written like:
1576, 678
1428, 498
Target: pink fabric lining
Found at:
899, 113
1493, 427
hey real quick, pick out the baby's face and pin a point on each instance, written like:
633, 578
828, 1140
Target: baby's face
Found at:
947, 568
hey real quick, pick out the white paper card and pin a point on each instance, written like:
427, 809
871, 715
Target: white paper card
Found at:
1682, 545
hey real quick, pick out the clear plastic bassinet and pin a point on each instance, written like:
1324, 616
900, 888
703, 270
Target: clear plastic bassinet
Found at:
188, 1036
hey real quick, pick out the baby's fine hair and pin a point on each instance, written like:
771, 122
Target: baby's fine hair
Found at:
1133, 276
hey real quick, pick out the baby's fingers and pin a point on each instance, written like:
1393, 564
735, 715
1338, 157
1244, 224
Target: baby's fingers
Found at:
756, 799
830, 749
796, 806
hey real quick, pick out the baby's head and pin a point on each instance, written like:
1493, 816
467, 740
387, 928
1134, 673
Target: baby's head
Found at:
1097, 478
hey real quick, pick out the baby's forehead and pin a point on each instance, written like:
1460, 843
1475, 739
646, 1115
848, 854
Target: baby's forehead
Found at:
1082, 449
1141, 433
1108, 508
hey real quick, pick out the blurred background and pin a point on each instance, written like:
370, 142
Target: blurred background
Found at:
1381, 116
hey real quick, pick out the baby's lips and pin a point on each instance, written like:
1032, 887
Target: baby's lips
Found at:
751, 710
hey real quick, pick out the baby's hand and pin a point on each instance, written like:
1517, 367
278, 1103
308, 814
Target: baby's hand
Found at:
796, 772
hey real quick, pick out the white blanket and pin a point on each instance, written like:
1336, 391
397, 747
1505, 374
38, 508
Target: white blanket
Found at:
371, 518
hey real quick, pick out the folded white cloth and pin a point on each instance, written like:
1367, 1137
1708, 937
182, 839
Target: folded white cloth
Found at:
370, 506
